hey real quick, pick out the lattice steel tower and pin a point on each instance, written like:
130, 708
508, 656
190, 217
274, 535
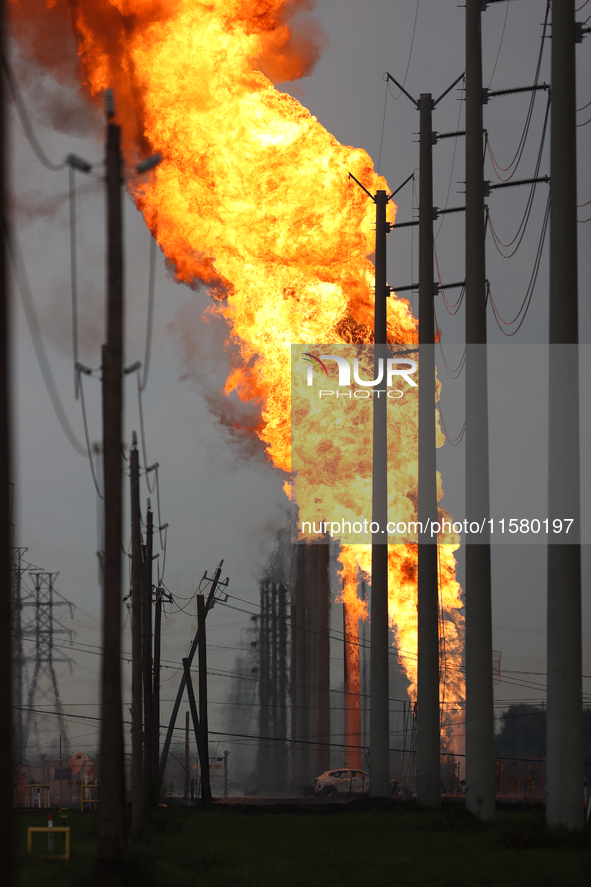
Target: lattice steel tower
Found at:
42, 629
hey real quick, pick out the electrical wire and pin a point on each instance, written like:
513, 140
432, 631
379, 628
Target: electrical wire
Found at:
523, 139
26, 123
449, 308
519, 235
148, 470
585, 123
38, 344
500, 45
151, 288
524, 307
454, 441
412, 43
86, 435
382, 135
455, 373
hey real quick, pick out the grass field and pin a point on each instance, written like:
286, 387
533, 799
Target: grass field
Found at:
358, 844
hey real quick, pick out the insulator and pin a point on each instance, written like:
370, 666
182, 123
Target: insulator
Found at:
109, 103
78, 163
149, 163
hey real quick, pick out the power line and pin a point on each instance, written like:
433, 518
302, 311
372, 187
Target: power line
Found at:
524, 307
500, 45
38, 344
151, 288
26, 123
529, 204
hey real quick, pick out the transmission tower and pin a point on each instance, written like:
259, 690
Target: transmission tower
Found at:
42, 629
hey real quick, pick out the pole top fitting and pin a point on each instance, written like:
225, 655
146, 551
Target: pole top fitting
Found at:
134, 439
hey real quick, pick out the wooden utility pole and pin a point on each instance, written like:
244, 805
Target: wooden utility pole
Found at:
175, 709
187, 759
111, 813
564, 743
137, 580
480, 767
202, 658
6, 753
147, 659
206, 798
428, 758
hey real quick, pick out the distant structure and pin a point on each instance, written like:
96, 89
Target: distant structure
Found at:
41, 628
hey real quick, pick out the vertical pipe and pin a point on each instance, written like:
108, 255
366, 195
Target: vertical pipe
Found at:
293, 686
351, 669
564, 718
137, 579
480, 774
263, 750
379, 727
282, 685
111, 813
147, 660
301, 732
322, 660
428, 767
273, 681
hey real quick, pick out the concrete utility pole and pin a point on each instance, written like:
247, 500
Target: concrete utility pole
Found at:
137, 579
147, 659
428, 750
480, 773
6, 755
564, 743
379, 716
111, 813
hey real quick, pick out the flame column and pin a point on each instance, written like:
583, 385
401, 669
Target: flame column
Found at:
480, 768
352, 756
428, 767
564, 746
379, 717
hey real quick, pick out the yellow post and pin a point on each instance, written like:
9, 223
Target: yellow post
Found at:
65, 829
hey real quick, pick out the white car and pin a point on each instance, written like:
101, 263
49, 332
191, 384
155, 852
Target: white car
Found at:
341, 782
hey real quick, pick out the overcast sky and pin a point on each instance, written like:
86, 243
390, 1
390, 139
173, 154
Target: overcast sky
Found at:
221, 499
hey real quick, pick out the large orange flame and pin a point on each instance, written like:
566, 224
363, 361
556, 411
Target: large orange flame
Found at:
253, 198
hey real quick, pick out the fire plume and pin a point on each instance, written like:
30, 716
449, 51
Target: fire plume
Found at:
253, 198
